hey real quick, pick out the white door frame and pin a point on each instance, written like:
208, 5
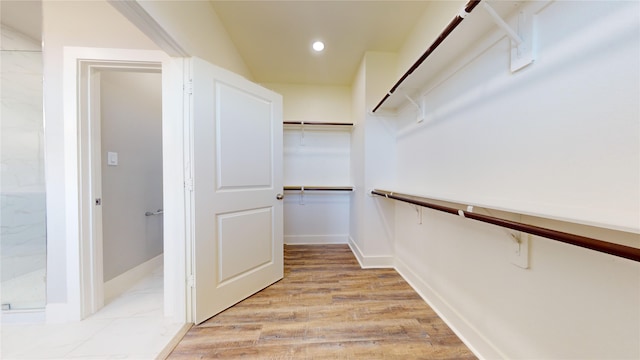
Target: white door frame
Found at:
91, 174
83, 272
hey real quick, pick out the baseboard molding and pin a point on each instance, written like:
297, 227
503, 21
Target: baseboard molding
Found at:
473, 338
37, 316
126, 280
57, 313
174, 342
315, 239
370, 262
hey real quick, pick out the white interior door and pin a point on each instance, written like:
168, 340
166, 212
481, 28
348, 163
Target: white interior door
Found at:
237, 181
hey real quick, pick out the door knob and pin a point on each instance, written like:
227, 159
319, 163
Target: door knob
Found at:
279, 196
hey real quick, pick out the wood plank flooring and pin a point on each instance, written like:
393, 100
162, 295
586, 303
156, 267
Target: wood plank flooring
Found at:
326, 307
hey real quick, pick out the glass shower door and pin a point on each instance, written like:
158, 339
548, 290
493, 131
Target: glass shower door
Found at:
22, 181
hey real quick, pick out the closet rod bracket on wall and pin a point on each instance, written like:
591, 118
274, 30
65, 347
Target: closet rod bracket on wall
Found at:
521, 38
421, 108
623, 251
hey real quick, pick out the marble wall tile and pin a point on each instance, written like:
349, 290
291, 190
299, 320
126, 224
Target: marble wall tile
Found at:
15, 40
22, 180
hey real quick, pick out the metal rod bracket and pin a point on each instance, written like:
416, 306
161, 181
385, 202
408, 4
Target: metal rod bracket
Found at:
420, 115
521, 38
463, 12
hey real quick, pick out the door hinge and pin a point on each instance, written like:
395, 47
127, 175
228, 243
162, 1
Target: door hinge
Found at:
191, 281
188, 87
188, 184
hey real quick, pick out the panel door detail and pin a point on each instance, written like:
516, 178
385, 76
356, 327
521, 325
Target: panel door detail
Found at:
236, 152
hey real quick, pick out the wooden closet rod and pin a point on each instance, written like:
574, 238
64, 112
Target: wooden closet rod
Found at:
316, 123
319, 188
626, 252
443, 35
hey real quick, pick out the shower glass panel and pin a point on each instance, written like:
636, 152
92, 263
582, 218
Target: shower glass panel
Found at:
22, 181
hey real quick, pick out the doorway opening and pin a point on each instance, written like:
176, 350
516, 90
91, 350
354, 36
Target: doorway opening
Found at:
121, 137
130, 186
83, 276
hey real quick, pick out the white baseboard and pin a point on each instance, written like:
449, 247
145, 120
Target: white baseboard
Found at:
126, 280
315, 239
57, 313
37, 316
370, 262
174, 342
473, 338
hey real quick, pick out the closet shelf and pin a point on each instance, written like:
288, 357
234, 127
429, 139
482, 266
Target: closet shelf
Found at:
318, 188
449, 44
615, 249
303, 124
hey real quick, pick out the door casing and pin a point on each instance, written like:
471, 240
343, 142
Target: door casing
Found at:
91, 122
83, 245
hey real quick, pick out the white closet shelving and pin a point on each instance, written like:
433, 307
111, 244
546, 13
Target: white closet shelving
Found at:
317, 179
465, 31
315, 154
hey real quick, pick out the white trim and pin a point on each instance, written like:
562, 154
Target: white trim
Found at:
174, 341
126, 280
56, 313
89, 121
138, 16
173, 193
187, 136
94, 119
473, 338
37, 316
370, 262
469, 335
315, 239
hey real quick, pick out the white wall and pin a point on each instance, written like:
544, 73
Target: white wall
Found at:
97, 24
434, 19
70, 23
560, 138
316, 156
131, 126
22, 195
373, 156
197, 28
566, 126
358, 113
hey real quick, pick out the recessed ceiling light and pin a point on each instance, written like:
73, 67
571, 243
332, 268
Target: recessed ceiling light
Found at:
318, 46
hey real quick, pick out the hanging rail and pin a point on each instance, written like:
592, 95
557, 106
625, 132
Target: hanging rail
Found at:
316, 123
443, 35
318, 188
626, 252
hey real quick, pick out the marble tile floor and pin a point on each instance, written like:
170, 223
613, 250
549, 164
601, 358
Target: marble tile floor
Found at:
130, 327
25, 291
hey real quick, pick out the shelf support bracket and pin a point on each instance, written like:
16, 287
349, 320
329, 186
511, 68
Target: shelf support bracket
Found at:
420, 116
503, 25
521, 39
419, 213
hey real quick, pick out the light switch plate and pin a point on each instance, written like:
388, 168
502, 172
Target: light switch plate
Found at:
112, 158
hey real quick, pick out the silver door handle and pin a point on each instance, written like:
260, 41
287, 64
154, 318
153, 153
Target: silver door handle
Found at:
279, 196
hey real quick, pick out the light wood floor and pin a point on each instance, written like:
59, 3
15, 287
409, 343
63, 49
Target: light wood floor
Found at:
326, 307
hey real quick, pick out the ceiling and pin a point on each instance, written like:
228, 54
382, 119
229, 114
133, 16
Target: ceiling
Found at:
274, 37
